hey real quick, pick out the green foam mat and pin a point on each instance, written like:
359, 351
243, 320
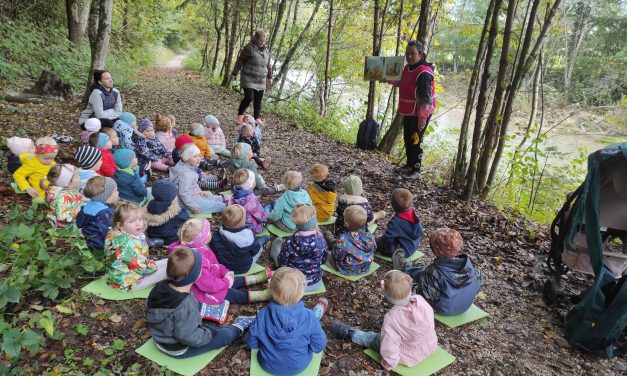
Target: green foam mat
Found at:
278, 232
36, 200
227, 193
329, 221
101, 288
186, 367
321, 290
16, 188
411, 258
373, 268
311, 370
254, 269
263, 233
372, 228
200, 215
473, 313
434, 363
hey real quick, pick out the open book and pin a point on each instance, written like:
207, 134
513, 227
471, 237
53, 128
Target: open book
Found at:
383, 68
215, 312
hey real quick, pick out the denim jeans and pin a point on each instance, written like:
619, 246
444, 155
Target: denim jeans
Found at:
262, 241
370, 340
235, 295
211, 204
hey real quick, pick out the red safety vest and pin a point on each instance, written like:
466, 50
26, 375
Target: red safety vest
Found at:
407, 89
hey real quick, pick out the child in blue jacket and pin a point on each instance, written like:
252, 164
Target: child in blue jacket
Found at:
404, 230
96, 216
285, 332
281, 215
450, 284
129, 182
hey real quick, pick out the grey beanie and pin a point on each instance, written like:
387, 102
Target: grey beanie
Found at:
352, 185
109, 187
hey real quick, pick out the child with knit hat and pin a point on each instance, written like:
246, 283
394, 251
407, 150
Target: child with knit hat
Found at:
184, 175
215, 136
113, 137
241, 155
206, 181
102, 142
95, 218
247, 135
353, 196
197, 133
172, 312
322, 192
126, 126
165, 131
286, 333
234, 244
404, 231
35, 166
407, 335
164, 213
305, 250
151, 153
62, 194
17, 146
216, 281
450, 284
281, 215
244, 194
129, 182
90, 160
353, 252
92, 125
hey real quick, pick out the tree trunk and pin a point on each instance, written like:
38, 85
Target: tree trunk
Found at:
324, 97
493, 15
375, 52
219, 30
99, 35
77, 15
126, 20
392, 135
277, 24
231, 45
423, 22
253, 3
462, 145
277, 51
494, 119
574, 43
205, 53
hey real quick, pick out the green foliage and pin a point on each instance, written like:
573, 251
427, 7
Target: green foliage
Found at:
36, 256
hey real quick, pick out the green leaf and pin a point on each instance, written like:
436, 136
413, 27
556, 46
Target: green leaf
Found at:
49, 291
31, 340
118, 344
8, 294
11, 342
63, 309
47, 324
25, 232
88, 362
81, 329
108, 351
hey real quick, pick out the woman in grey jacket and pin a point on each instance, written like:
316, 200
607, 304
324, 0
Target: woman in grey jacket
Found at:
254, 62
105, 102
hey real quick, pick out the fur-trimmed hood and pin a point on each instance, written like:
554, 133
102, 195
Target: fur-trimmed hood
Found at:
352, 199
158, 213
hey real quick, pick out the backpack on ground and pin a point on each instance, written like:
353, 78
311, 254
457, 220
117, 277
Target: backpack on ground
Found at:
367, 134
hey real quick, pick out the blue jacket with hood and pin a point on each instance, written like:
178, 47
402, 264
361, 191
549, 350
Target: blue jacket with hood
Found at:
404, 233
95, 220
285, 204
287, 337
235, 248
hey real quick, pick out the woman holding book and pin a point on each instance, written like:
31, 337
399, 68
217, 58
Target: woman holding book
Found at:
416, 104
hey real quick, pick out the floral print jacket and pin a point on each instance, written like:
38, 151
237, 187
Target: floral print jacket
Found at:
131, 259
354, 251
64, 205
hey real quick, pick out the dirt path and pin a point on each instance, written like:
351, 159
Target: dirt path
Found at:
522, 335
176, 62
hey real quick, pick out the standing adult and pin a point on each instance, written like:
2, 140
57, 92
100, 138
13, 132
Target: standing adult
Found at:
416, 104
105, 102
254, 62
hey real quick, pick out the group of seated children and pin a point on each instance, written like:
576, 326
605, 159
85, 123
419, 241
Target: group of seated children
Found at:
201, 267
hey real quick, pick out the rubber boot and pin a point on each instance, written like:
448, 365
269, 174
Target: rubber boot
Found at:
259, 296
260, 277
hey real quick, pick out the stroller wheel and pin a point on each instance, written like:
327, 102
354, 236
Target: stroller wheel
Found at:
552, 291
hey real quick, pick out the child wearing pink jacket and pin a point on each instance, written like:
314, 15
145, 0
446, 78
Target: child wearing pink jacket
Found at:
216, 282
408, 332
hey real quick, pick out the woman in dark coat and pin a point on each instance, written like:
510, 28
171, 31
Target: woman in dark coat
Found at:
254, 63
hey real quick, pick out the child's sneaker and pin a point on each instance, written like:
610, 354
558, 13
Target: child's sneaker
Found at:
244, 322
398, 260
341, 331
321, 307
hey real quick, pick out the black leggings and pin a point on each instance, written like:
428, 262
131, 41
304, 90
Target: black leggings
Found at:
413, 150
249, 96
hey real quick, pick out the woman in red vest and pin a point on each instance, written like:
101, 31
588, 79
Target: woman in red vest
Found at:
416, 104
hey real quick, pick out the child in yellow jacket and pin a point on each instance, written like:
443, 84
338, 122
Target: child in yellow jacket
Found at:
197, 133
36, 166
322, 192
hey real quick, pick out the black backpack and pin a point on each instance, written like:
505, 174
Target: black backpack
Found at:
367, 134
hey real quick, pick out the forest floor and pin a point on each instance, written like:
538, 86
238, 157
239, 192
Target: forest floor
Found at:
522, 335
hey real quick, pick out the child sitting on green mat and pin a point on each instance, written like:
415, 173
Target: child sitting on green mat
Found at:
244, 194
306, 250
285, 332
173, 316
322, 192
353, 251
353, 195
281, 215
407, 335
450, 284
404, 230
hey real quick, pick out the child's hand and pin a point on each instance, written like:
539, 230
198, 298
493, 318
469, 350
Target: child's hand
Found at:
32, 192
231, 277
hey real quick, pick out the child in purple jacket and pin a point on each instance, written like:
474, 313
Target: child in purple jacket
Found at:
243, 194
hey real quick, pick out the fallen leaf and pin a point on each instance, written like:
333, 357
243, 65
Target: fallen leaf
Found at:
115, 318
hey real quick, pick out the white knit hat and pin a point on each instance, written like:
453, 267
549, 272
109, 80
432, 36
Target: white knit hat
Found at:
20, 145
92, 125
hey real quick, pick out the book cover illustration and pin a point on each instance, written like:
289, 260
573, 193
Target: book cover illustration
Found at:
215, 312
383, 68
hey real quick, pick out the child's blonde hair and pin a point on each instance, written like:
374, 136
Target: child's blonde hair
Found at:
397, 285
190, 229
302, 213
126, 211
246, 129
292, 179
94, 186
108, 131
236, 151
355, 217
319, 172
234, 216
162, 123
193, 126
240, 176
248, 119
287, 285
45, 140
